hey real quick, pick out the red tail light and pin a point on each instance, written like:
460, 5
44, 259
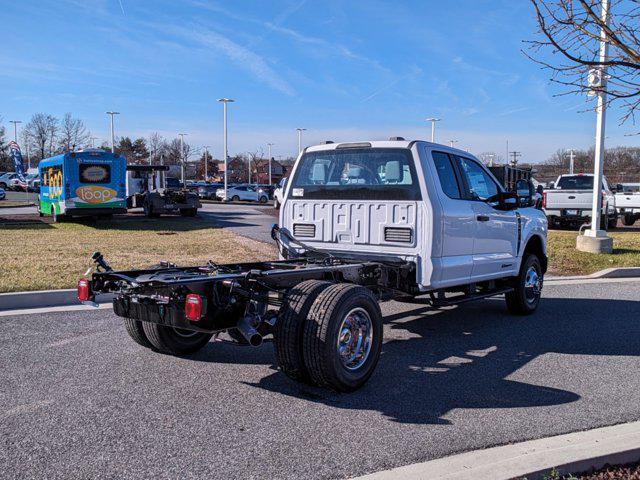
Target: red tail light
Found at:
193, 307
84, 290
544, 199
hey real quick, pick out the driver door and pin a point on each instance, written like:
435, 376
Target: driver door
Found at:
495, 244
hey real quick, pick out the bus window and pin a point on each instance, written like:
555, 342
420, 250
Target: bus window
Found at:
95, 173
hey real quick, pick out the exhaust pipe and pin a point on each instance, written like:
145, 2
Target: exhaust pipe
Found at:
247, 326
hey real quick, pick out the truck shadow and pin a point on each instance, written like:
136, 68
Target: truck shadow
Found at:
437, 361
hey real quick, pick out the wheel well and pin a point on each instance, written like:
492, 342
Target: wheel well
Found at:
535, 247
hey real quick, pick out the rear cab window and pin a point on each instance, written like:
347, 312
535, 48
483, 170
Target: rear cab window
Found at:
575, 182
356, 174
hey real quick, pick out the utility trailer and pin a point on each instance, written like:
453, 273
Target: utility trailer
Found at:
360, 224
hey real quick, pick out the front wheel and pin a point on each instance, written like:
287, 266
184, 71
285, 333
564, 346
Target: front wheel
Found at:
343, 337
235, 198
175, 341
525, 297
263, 199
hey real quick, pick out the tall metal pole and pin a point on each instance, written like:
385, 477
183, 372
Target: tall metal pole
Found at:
600, 129
300, 130
269, 145
206, 161
451, 142
433, 127
181, 135
225, 153
15, 129
571, 162
113, 142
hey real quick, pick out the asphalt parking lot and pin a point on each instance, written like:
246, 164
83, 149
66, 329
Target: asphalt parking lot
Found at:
80, 400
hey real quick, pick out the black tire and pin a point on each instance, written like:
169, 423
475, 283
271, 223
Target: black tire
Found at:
3, 186
188, 212
612, 223
629, 219
235, 198
322, 333
136, 332
524, 299
175, 341
263, 199
148, 209
289, 329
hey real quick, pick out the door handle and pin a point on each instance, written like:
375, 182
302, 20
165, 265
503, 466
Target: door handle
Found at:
482, 218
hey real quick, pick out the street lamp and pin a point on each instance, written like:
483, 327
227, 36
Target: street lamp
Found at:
224, 102
300, 130
594, 239
181, 135
113, 147
270, 145
571, 156
451, 142
93, 139
206, 161
433, 127
15, 129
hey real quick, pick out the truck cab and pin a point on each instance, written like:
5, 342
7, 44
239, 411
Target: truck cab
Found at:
435, 206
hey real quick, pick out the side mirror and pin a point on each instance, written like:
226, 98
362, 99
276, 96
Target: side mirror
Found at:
507, 201
539, 189
619, 188
524, 191
551, 185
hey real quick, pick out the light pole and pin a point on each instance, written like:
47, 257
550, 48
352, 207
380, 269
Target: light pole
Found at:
433, 127
15, 129
270, 145
300, 130
571, 161
206, 161
181, 135
594, 239
93, 139
451, 142
225, 101
113, 145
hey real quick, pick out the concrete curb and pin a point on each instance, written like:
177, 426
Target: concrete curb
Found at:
43, 299
572, 453
621, 272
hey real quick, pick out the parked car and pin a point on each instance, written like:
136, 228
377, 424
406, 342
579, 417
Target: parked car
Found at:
18, 185
361, 223
209, 191
249, 193
278, 194
3, 194
628, 203
6, 179
568, 201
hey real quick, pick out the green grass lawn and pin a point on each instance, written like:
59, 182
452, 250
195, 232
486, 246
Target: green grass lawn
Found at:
40, 256
564, 259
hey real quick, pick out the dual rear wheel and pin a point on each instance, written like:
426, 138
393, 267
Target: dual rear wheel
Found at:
329, 335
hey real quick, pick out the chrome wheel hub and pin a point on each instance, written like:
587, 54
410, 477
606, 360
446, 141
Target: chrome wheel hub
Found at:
532, 284
354, 339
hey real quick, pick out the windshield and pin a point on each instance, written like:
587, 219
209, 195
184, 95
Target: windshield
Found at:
356, 174
578, 182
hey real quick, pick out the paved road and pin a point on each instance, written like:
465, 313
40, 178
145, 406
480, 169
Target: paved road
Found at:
80, 400
253, 221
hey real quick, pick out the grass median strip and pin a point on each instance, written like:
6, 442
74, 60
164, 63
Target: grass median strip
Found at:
564, 259
42, 256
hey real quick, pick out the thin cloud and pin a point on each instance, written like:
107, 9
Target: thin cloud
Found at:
241, 56
513, 110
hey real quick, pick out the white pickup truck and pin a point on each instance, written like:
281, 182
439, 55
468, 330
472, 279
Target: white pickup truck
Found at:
628, 203
360, 223
568, 201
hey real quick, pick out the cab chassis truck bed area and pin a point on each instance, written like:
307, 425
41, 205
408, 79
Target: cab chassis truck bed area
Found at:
360, 223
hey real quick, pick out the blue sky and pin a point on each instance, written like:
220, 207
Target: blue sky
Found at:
349, 70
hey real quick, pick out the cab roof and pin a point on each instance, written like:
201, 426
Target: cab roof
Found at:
400, 143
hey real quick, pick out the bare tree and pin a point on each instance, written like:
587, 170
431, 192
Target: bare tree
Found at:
4, 148
42, 130
570, 29
73, 134
157, 146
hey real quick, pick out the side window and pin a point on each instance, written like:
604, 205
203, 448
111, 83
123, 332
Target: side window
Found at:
446, 174
481, 186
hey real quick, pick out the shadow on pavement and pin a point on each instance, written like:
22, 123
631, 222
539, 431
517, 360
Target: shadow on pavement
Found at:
461, 358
